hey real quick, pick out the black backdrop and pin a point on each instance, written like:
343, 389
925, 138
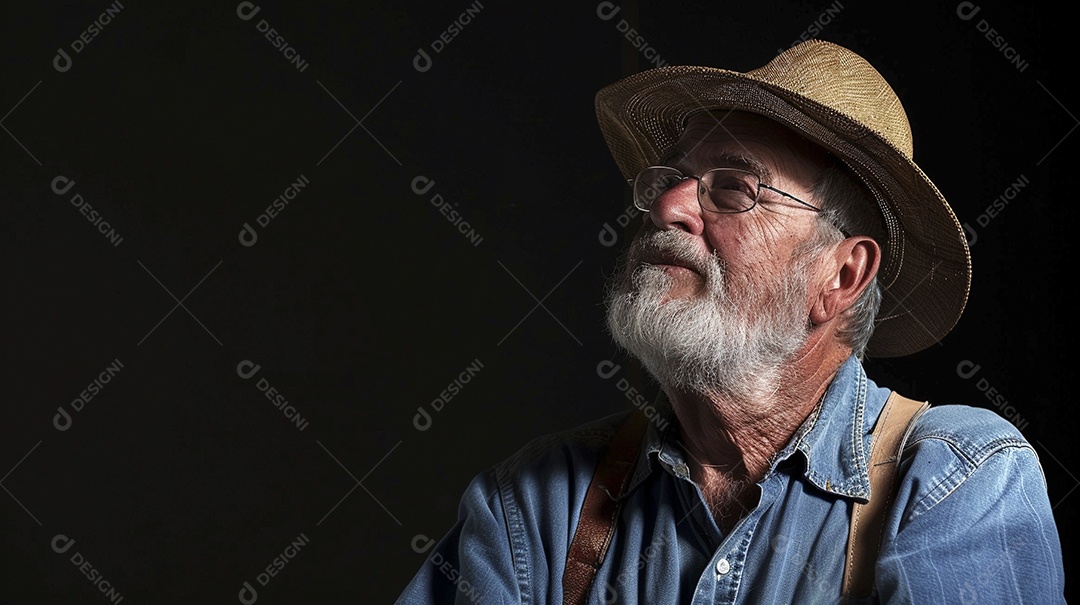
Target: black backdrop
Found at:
132, 165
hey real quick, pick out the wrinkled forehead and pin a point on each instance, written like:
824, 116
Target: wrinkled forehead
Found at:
736, 139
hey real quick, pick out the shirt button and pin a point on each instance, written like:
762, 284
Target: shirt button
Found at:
722, 567
682, 470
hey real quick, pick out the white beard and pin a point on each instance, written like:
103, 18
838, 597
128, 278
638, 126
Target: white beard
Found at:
732, 340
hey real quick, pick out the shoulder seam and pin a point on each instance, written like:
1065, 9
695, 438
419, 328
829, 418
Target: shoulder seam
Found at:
977, 455
519, 556
960, 475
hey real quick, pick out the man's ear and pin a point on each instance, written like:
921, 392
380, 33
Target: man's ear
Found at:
850, 268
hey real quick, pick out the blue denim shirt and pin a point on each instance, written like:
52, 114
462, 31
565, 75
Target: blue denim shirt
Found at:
971, 523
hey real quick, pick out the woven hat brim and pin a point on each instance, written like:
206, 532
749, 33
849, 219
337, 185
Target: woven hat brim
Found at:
928, 273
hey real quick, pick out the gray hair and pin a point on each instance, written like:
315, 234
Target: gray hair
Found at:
849, 208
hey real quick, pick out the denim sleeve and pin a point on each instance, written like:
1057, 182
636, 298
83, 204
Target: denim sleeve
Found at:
973, 522
472, 564
510, 541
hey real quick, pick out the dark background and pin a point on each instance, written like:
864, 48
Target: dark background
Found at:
360, 302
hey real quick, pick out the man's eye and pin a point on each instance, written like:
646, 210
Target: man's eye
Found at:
733, 183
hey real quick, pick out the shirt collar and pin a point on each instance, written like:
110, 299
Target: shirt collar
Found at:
834, 440
837, 445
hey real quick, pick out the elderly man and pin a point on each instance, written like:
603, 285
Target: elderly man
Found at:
787, 234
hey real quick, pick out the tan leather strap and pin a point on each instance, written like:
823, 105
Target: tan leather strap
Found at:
601, 508
890, 432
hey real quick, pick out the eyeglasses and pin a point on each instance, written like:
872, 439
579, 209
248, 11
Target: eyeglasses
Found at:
721, 190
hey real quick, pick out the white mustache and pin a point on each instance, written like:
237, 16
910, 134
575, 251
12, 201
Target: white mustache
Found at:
676, 246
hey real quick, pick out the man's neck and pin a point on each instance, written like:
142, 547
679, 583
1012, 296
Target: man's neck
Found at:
731, 442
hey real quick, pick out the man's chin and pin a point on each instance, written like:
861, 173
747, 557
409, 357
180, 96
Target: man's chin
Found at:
683, 282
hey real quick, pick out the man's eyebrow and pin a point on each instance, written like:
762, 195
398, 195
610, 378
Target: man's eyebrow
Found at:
721, 159
727, 159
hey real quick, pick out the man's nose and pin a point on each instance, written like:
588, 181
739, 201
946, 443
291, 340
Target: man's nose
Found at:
678, 208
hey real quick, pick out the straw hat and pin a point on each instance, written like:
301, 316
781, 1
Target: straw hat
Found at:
833, 97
